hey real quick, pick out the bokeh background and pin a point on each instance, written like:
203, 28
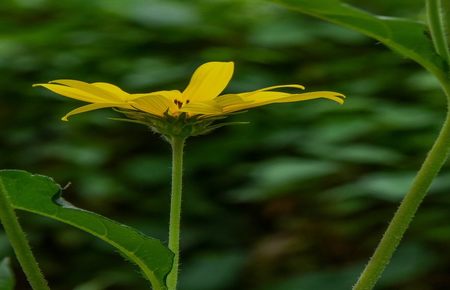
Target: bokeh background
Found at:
297, 200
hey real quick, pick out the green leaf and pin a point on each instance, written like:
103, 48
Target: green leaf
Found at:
409, 38
7, 281
41, 195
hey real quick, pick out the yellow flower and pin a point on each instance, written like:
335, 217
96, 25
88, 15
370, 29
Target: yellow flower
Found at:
200, 100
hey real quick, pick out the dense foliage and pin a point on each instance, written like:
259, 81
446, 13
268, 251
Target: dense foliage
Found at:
296, 200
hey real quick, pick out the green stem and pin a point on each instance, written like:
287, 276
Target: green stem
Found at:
175, 208
409, 205
437, 22
19, 243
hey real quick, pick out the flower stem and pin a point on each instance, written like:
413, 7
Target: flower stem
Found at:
175, 208
19, 243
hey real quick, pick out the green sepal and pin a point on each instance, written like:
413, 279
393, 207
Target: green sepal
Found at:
181, 126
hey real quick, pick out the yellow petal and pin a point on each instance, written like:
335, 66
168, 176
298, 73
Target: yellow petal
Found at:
205, 108
72, 93
87, 108
94, 90
114, 90
264, 98
295, 86
155, 104
228, 102
255, 97
337, 97
208, 81
170, 95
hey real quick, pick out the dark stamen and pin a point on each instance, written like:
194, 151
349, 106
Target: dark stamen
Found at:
178, 103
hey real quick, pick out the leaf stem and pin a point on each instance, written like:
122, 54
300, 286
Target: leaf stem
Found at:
19, 242
175, 208
437, 22
410, 203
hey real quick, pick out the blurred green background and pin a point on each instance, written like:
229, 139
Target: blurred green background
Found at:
297, 200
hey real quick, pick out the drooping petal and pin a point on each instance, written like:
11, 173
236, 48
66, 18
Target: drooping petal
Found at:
72, 93
90, 89
204, 108
264, 98
208, 81
155, 104
88, 108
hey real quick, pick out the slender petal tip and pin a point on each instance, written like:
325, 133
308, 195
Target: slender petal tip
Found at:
340, 98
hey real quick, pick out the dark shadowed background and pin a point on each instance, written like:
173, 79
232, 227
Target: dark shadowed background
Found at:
297, 200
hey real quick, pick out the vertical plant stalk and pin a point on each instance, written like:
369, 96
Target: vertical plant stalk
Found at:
175, 208
408, 208
430, 167
19, 243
